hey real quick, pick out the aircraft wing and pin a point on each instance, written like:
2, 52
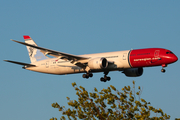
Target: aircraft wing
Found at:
20, 63
54, 53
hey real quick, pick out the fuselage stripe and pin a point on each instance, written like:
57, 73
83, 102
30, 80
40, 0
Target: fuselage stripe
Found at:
129, 59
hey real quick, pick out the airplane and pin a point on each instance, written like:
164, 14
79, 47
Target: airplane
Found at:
130, 62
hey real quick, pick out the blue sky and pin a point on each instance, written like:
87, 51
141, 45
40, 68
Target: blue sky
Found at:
82, 27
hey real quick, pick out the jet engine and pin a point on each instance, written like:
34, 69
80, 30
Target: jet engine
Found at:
133, 72
98, 63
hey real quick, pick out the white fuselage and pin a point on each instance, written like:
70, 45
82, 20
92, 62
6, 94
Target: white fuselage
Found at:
59, 66
131, 62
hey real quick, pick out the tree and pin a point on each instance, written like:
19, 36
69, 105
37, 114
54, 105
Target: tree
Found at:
109, 104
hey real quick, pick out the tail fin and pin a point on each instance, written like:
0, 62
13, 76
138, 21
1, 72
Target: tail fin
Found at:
34, 54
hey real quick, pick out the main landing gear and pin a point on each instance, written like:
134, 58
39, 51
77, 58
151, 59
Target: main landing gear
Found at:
105, 78
163, 70
102, 79
87, 75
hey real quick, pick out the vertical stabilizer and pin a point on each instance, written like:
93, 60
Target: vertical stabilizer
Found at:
34, 54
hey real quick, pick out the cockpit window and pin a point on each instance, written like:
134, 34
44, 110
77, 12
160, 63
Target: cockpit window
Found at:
169, 52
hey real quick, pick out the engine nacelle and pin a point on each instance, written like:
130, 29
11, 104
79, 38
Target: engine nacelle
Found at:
98, 63
133, 72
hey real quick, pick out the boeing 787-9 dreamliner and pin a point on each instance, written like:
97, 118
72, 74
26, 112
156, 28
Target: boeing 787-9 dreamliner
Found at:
130, 62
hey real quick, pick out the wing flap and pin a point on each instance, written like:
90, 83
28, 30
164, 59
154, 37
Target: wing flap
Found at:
79, 64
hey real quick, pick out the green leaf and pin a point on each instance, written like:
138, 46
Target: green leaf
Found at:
73, 84
68, 98
113, 87
95, 89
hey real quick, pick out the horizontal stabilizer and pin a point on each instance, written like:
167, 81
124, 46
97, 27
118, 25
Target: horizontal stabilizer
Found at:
20, 63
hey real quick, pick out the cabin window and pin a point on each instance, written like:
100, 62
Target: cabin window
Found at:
169, 52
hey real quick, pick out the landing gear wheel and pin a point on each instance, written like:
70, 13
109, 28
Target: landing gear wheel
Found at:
84, 75
108, 78
87, 75
90, 75
105, 78
163, 70
102, 79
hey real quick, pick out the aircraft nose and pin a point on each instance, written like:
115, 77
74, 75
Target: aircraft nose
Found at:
171, 58
175, 58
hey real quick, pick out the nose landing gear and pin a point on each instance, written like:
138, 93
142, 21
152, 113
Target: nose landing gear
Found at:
163, 70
